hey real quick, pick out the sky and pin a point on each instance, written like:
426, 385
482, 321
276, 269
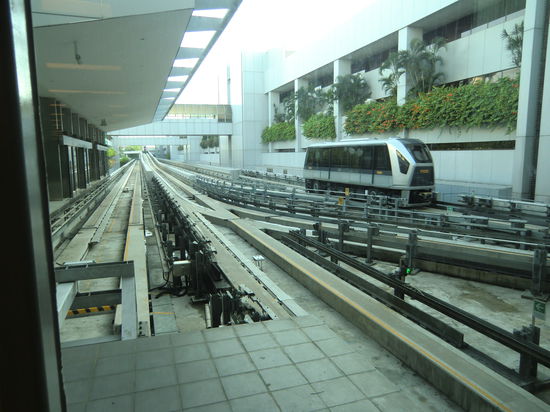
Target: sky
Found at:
261, 25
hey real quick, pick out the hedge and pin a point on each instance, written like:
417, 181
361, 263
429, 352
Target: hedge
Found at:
478, 104
279, 132
319, 126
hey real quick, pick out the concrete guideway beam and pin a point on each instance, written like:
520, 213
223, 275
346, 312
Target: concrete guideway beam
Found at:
468, 383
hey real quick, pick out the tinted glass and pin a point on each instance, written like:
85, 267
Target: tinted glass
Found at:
420, 152
381, 158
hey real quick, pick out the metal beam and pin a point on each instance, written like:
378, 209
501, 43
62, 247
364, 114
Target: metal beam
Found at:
94, 271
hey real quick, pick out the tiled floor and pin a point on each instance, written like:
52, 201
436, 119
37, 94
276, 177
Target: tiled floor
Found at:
289, 365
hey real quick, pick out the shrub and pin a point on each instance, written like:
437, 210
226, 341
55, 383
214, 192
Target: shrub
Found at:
470, 105
320, 126
279, 132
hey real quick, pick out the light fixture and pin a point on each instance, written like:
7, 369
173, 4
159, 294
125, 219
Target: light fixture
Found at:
103, 122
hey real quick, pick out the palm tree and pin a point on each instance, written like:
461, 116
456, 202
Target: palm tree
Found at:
395, 68
420, 63
514, 42
351, 90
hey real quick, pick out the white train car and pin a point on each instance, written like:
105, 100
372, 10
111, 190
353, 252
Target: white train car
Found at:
393, 167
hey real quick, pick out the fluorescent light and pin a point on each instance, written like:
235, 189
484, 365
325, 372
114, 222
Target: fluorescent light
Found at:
177, 78
185, 62
168, 98
175, 89
85, 91
197, 39
215, 13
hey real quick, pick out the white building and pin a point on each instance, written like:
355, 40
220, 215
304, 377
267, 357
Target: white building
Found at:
475, 48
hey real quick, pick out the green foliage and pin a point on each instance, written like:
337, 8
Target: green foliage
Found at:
133, 148
111, 152
351, 90
320, 126
279, 132
289, 106
471, 105
419, 62
124, 160
209, 142
514, 42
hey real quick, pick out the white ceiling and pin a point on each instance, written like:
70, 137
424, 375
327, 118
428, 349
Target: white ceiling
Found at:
112, 69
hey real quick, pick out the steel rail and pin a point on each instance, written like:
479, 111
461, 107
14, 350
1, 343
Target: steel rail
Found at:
496, 333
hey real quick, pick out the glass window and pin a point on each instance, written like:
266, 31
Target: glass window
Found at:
324, 158
403, 162
382, 158
338, 157
420, 152
355, 157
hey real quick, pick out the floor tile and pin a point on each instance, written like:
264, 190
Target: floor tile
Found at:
191, 353
196, 371
213, 407
257, 342
319, 332
298, 399
303, 352
152, 359
121, 347
78, 391
319, 370
363, 405
261, 402
73, 371
337, 391
269, 358
279, 324
231, 365
290, 337
201, 393
250, 329
244, 384
124, 403
76, 407
155, 378
113, 385
393, 401
305, 321
166, 399
334, 347
373, 383
282, 377
352, 363
153, 343
115, 364
225, 347
186, 338
214, 334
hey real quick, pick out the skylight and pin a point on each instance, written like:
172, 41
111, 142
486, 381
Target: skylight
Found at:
216, 13
177, 78
186, 62
197, 39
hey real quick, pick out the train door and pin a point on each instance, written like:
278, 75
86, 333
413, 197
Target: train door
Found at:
382, 176
366, 166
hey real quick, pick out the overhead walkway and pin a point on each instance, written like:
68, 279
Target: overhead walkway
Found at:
182, 120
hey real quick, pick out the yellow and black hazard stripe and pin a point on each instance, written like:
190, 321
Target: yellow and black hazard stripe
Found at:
84, 311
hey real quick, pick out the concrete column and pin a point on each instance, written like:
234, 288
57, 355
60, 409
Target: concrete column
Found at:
50, 133
523, 183
406, 35
342, 67
273, 100
298, 83
542, 188
225, 151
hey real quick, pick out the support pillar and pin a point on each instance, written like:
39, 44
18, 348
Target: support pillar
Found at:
342, 67
298, 83
273, 100
527, 130
51, 135
542, 188
406, 35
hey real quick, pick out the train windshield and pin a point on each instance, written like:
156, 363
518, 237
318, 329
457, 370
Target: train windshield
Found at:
420, 152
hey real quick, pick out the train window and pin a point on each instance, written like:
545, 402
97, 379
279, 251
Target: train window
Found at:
338, 157
403, 163
419, 152
310, 158
366, 161
382, 158
324, 158
355, 157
